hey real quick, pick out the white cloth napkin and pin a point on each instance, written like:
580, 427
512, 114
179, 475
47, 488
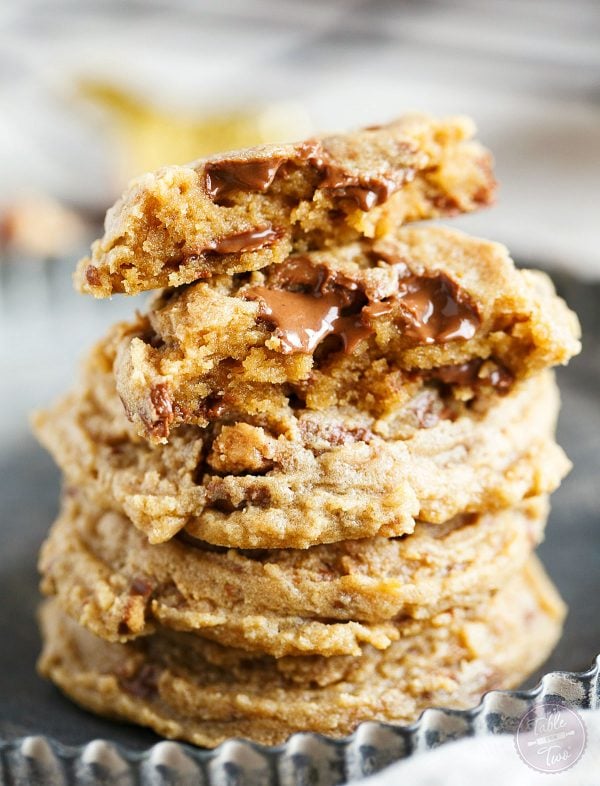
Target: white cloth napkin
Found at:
491, 761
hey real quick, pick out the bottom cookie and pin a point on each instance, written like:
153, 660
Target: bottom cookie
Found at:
189, 688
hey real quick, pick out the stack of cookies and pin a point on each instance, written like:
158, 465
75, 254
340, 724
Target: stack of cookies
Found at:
303, 489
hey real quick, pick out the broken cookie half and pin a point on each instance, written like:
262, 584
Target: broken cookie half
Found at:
367, 325
248, 209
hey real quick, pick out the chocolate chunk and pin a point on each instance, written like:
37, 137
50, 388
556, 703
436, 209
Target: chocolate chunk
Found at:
366, 192
500, 377
144, 683
446, 204
92, 276
140, 586
252, 240
470, 374
435, 309
461, 374
222, 178
259, 496
302, 320
298, 273
161, 400
212, 406
163, 407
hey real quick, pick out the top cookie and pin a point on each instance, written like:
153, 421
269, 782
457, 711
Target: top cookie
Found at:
245, 210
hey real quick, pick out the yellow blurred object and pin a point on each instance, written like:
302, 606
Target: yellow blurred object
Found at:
151, 137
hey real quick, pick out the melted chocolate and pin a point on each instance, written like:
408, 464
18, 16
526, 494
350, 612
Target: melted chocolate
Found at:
308, 302
461, 374
310, 306
303, 320
467, 374
222, 178
252, 240
366, 192
377, 309
365, 198
352, 331
500, 377
299, 274
435, 310
230, 176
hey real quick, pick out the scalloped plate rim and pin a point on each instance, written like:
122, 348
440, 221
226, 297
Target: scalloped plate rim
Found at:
205, 755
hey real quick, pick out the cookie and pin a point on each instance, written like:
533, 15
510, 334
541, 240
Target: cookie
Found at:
185, 687
246, 210
366, 325
326, 600
331, 476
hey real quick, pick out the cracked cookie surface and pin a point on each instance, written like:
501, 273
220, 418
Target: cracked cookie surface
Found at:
185, 687
248, 209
